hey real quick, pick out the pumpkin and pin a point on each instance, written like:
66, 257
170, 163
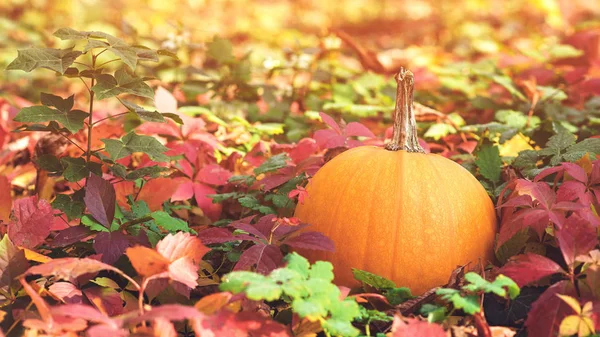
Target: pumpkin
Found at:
398, 212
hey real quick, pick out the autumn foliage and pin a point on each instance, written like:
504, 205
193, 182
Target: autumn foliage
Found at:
152, 159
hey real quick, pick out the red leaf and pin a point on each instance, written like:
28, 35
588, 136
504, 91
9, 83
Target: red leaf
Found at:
216, 235
85, 312
111, 245
528, 268
32, 222
100, 199
69, 268
311, 240
70, 236
358, 130
416, 328
282, 176
548, 311
185, 191
264, 257
171, 312
107, 300
184, 253
66, 292
242, 324
575, 171
5, 199
576, 237
328, 139
304, 149
210, 209
213, 174
330, 122
157, 191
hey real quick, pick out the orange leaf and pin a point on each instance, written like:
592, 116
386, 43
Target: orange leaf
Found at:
213, 302
5, 199
146, 261
157, 191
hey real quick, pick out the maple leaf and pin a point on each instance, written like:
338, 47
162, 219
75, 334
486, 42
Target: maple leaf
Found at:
156, 191
409, 327
339, 134
111, 245
575, 238
264, 257
549, 310
177, 257
528, 268
541, 206
213, 174
32, 220
299, 192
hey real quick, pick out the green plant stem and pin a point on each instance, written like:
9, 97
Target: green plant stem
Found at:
136, 221
109, 117
107, 62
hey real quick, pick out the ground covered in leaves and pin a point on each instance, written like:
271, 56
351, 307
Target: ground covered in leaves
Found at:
149, 169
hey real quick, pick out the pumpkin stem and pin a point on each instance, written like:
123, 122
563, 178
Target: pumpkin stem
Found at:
404, 136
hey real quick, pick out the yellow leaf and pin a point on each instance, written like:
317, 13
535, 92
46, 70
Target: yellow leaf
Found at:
569, 325
586, 327
573, 303
586, 163
37, 257
516, 144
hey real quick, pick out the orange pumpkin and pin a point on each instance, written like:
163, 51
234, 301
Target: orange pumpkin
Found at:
398, 212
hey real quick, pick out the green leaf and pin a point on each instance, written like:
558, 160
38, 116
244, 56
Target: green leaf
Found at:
509, 85
272, 164
133, 142
169, 223
220, 50
75, 168
398, 295
71, 119
439, 130
591, 145
73, 209
149, 171
237, 281
310, 308
336, 327
373, 280
322, 270
298, 263
49, 163
123, 82
557, 143
147, 115
128, 54
564, 51
489, 163
55, 59
526, 159
71, 34
478, 283
512, 246
469, 304
265, 290
88, 221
